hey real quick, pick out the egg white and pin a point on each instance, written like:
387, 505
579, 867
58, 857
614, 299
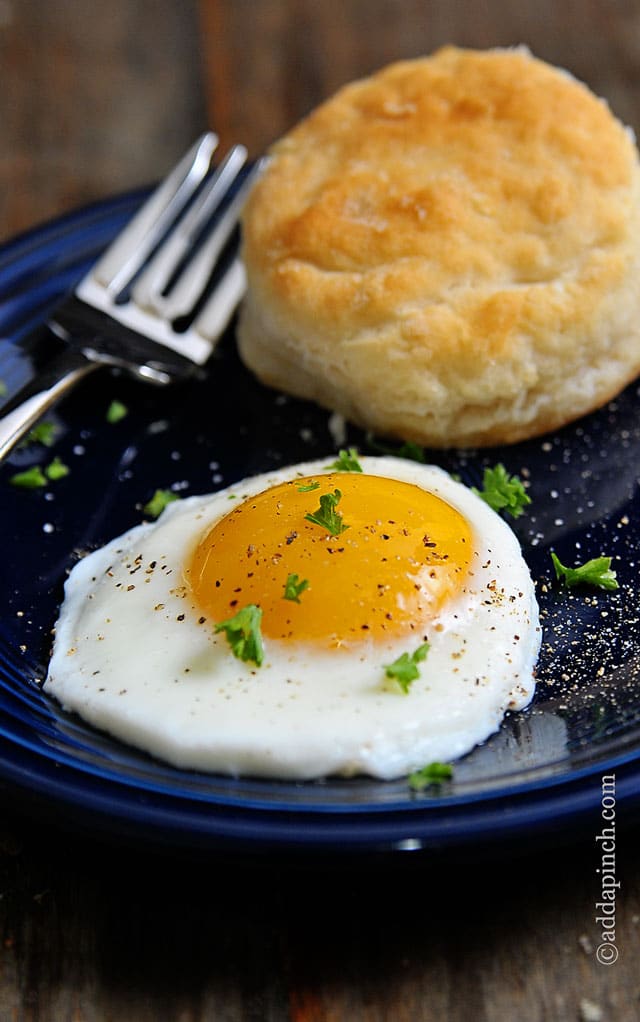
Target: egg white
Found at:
133, 657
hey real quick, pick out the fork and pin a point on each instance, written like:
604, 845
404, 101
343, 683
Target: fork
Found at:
145, 306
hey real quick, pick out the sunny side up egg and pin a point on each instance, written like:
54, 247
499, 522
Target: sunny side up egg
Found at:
419, 568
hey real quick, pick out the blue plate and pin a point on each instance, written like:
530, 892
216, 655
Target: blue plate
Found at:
540, 773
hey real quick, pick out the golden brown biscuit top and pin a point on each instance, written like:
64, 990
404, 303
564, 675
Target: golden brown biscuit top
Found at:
464, 176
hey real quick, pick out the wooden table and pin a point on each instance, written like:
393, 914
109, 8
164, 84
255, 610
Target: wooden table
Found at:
100, 97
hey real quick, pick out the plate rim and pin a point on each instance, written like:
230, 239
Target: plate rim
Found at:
56, 231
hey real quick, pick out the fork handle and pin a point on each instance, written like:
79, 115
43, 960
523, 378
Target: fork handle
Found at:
30, 403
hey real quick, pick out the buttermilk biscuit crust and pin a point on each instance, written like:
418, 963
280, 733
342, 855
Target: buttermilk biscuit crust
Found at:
449, 251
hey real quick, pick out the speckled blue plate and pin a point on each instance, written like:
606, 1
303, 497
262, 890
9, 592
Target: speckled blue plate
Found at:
541, 772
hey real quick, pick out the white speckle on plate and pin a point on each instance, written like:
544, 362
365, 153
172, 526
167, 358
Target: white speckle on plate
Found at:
338, 429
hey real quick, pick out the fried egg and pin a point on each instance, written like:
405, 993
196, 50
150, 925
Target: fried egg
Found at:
413, 567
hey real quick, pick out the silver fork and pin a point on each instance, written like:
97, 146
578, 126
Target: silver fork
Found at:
124, 312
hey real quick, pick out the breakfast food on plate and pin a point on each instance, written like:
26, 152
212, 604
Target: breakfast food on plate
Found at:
449, 251
305, 622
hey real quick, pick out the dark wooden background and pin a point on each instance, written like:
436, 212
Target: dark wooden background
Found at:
99, 97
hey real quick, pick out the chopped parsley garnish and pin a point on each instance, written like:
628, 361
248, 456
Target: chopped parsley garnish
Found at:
326, 516
159, 501
243, 634
347, 461
35, 477
116, 411
56, 470
3, 388
432, 773
596, 572
293, 587
309, 487
405, 669
503, 492
409, 450
42, 433
30, 479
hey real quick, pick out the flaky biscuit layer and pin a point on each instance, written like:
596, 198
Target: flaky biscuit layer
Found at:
449, 251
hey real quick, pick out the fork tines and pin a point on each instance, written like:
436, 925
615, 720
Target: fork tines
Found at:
158, 270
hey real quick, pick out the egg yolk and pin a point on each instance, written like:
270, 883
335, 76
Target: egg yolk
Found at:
404, 554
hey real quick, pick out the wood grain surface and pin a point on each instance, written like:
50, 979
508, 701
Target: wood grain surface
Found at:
100, 97
267, 64
95, 932
96, 98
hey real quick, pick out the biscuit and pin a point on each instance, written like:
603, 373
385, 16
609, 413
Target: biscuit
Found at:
449, 252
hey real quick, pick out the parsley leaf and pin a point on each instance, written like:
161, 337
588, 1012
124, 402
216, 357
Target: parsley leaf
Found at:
503, 492
30, 479
34, 478
3, 388
405, 669
56, 470
293, 588
409, 450
327, 516
243, 634
311, 486
432, 773
115, 412
42, 433
347, 461
596, 572
159, 501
